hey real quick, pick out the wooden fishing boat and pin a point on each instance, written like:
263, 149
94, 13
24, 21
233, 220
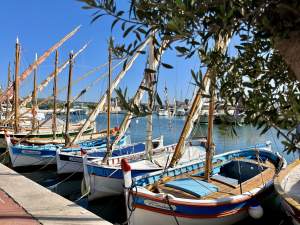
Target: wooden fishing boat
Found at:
104, 179
26, 122
287, 185
43, 135
99, 170
45, 154
219, 190
240, 180
88, 135
72, 161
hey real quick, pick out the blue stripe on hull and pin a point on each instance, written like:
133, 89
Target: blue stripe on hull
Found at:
34, 152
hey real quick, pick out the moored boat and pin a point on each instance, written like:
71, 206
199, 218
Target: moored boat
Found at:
106, 179
36, 155
163, 112
221, 189
180, 111
72, 162
43, 134
287, 185
240, 180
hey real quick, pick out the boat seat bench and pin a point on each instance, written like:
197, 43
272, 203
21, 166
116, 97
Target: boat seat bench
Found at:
225, 180
192, 186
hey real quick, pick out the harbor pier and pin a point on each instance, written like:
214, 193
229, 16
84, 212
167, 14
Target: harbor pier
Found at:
23, 201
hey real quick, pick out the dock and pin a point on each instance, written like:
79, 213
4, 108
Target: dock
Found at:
25, 202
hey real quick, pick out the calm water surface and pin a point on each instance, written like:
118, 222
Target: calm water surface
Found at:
112, 209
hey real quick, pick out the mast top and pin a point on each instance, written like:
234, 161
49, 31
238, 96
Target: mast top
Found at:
36, 56
17, 40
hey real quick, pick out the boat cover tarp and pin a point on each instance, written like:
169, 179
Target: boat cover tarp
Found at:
194, 187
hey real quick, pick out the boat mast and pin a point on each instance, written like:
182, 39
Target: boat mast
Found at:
55, 95
221, 44
193, 113
46, 82
1, 108
150, 81
16, 98
114, 84
167, 100
209, 143
108, 147
34, 97
174, 108
138, 96
9, 92
67, 138
8, 84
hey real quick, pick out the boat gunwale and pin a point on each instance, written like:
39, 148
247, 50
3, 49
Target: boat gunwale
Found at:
260, 148
279, 179
145, 193
141, 191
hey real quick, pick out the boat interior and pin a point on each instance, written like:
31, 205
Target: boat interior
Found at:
228, 178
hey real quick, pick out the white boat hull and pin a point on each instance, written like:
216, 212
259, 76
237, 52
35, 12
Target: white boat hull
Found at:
104, 187
25, 160
20, 156
110, 182
73, 165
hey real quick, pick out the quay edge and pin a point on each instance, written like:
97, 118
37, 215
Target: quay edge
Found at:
45, 206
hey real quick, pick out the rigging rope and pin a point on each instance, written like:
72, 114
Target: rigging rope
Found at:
65, 87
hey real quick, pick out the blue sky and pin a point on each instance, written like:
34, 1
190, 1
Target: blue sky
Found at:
39, 24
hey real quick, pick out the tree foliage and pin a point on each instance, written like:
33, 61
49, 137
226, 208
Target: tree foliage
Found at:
257, 77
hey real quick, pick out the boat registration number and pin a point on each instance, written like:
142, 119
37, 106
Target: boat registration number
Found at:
31, 152
159, 205
75, 159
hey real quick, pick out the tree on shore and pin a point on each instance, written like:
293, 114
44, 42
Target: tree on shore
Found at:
263, 76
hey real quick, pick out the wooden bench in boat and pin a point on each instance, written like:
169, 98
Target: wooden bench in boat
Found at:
226, 180
226, 187
192, 186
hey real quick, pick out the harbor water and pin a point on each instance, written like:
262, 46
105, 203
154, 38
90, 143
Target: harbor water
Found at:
113, 208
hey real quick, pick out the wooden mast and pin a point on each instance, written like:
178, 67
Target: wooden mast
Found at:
8, 93
108, 148
8, 84
167, 100
198, 102
55, 95
16, 96
34, 97
46, 82
1, 108
150, 78
67, 138
138, 96
114, 84
209, 143
221, 44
